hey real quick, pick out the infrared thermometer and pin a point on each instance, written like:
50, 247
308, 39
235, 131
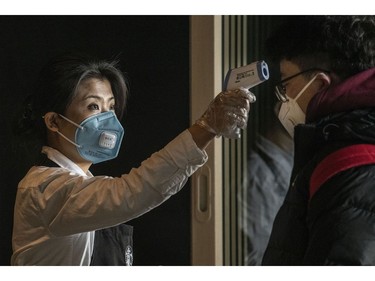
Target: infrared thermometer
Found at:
247, 76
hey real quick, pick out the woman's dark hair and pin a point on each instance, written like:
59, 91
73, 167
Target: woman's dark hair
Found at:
57, 86
344, 45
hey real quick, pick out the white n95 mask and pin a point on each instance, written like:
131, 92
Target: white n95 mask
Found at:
98, 138
291, 114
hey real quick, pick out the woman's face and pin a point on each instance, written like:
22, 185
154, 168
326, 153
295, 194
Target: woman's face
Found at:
94, 96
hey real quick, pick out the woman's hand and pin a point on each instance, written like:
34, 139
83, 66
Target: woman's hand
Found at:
228, 113
225, 116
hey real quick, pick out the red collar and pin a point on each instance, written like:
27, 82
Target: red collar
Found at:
356, 92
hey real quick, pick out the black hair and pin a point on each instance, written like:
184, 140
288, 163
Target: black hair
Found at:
57, 86
344, 45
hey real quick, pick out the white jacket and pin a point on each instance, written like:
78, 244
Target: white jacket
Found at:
58, 209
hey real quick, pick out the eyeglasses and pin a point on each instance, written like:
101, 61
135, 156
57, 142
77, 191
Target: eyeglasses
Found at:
280, 89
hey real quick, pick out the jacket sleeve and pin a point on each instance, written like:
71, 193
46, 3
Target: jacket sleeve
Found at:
69, 203
341, 220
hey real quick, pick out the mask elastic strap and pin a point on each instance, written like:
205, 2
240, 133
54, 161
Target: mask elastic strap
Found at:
304, 88
71, 122
72, 142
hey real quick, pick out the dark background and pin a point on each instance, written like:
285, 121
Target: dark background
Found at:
154, 53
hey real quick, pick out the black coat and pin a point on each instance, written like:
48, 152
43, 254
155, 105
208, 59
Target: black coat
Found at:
337, 226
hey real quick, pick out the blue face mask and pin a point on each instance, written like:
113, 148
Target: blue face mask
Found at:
98, 138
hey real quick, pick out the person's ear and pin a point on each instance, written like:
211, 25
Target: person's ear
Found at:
324, 79
51, 121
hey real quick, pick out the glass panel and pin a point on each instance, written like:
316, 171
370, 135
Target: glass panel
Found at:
269, 154
255, 170
234, 54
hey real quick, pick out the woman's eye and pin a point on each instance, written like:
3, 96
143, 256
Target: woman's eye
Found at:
112, 107
93, 106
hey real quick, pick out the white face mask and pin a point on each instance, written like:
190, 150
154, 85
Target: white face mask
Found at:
291, 114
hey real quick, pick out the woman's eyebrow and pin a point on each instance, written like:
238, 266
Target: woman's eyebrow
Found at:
97, 97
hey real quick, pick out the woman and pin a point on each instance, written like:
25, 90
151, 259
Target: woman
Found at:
75, 111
